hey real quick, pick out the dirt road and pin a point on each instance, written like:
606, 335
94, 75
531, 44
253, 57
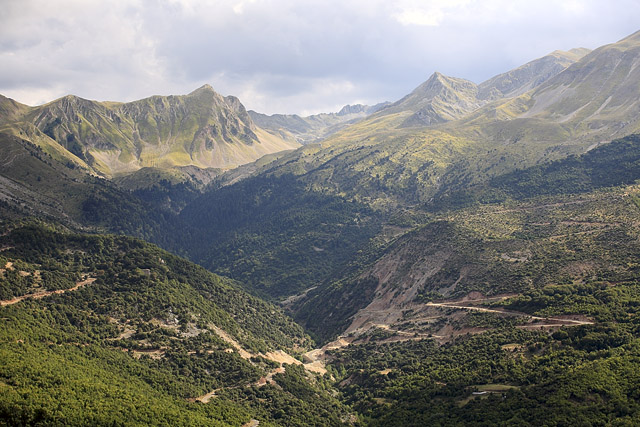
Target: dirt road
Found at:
43, 294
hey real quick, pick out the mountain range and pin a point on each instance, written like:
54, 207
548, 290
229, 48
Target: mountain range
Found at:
464, 255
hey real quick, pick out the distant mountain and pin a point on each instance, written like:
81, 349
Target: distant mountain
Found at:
315, 127
441, 99
201, 129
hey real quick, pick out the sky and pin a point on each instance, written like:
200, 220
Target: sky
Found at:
284, 56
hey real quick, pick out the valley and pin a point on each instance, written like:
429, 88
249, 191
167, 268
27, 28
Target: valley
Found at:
466, 255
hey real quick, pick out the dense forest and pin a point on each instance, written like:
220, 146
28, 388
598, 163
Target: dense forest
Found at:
109, 330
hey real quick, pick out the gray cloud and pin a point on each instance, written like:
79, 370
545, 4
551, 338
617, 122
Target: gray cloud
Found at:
284, 55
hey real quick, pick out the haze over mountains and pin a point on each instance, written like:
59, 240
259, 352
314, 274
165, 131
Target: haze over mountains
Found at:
313, 128
464, 255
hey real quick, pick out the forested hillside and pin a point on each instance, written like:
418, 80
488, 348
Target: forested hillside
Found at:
102, 330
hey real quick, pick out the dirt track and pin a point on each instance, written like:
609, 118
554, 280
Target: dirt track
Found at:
43, 294
557, 321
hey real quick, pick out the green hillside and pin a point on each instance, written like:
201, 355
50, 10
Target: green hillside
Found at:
566, 244
274, 235
609, 165
35, 184
114, 330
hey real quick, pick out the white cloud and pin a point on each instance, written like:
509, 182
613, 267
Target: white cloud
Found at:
283, 55
238, 8
431, 18
427, 13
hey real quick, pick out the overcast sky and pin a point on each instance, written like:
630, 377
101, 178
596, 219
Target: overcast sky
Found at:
284, 56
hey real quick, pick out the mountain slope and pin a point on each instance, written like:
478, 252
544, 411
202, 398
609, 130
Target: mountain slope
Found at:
111, 330
521, 240
595, 92
274, 235
530, 75
593, 100
202, 129
441, 99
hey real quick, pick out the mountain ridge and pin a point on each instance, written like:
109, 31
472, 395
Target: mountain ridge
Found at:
202, 129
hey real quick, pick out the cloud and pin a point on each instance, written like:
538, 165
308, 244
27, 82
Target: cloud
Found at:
283, 55
419, 17
427, 14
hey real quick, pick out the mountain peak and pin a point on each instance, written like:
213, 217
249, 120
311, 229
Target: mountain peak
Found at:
438, 80
572, 55
205, 88
437, 77
352, 109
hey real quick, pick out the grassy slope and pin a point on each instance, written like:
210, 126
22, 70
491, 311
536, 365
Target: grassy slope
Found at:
202, 129
35, 183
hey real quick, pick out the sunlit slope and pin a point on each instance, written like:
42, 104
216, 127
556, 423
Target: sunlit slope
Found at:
529, 76
383, 157
202, 129
442, 98
593, 100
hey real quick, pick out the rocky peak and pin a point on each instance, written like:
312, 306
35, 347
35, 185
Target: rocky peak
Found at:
205, 88
352, 109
